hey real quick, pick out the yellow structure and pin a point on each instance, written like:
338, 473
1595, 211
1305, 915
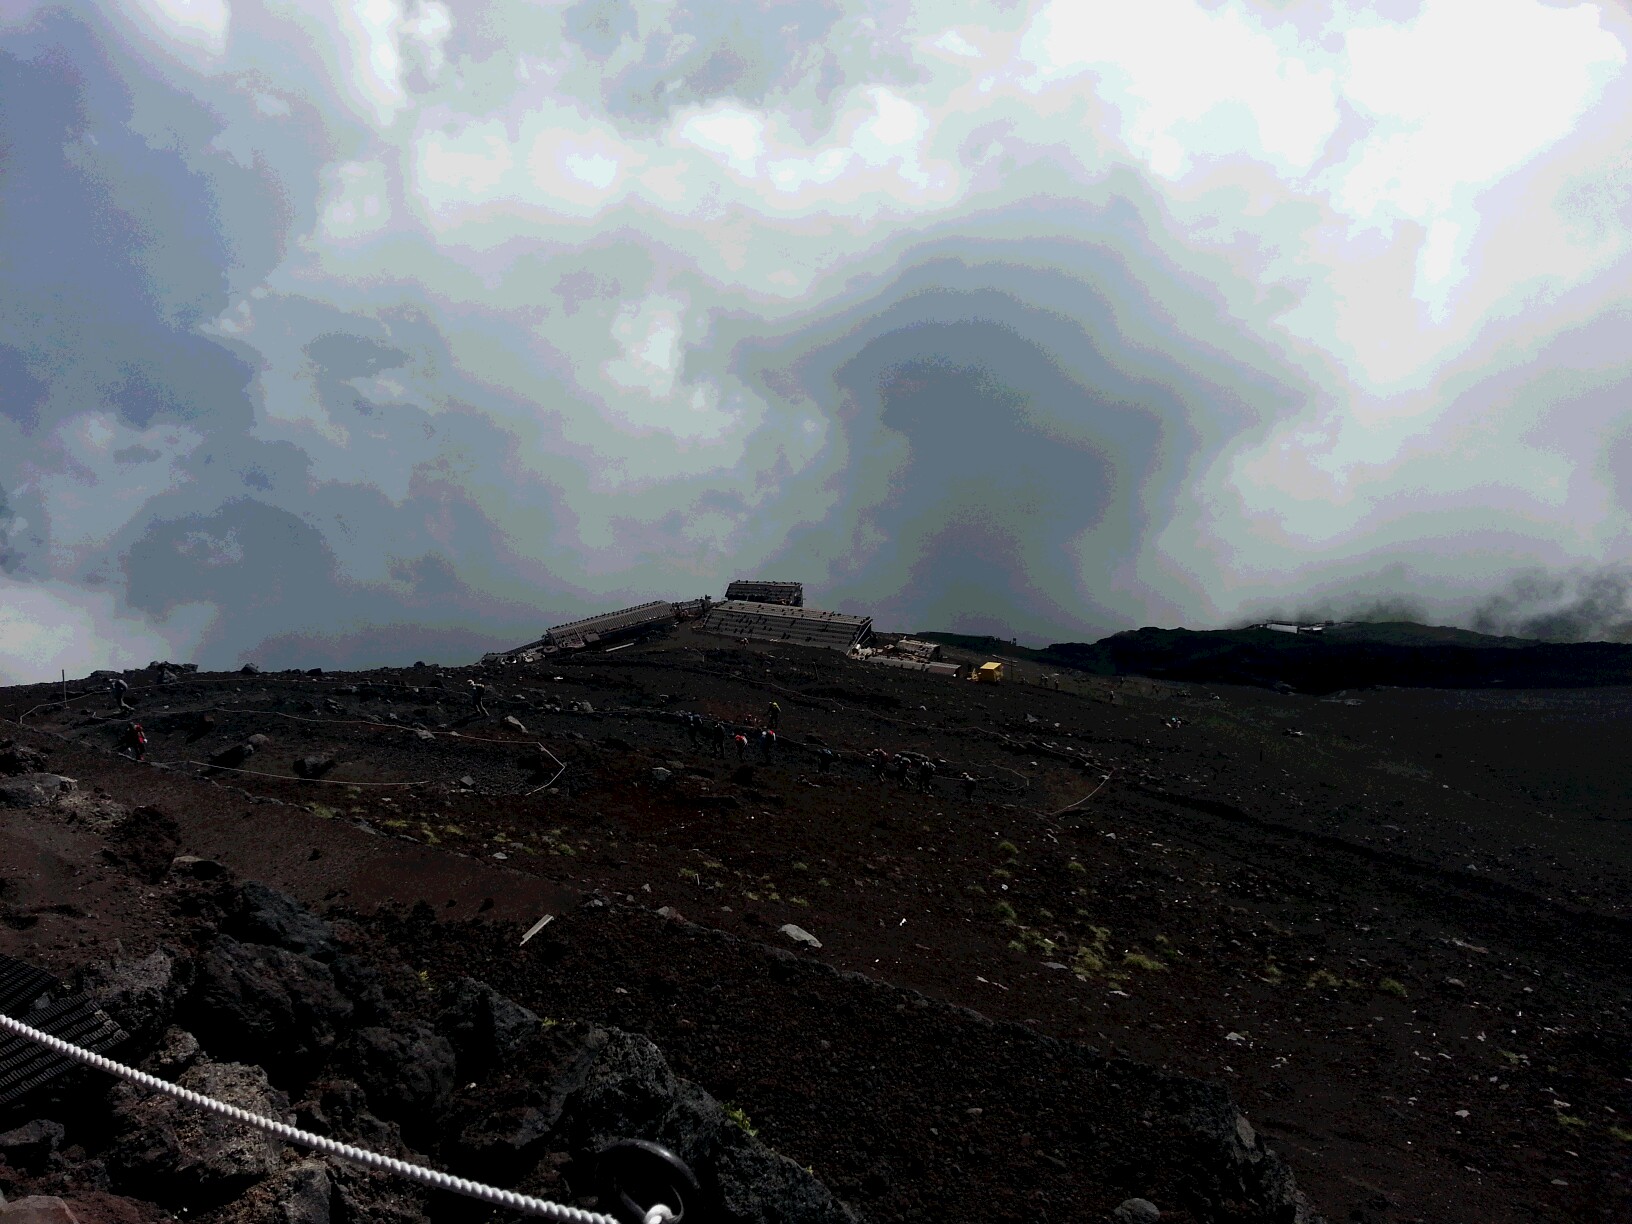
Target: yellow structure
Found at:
988, 673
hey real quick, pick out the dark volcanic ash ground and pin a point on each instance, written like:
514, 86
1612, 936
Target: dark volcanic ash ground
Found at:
1392, 924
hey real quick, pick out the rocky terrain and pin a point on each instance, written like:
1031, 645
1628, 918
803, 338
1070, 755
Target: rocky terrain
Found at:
1387, 926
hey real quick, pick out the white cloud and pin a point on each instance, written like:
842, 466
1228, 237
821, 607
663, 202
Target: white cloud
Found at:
50, 627
197, 26
356, 201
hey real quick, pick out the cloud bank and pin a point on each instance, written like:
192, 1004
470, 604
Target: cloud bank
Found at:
358, 332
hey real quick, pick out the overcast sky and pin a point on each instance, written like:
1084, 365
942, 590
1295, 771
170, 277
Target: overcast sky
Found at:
358, 332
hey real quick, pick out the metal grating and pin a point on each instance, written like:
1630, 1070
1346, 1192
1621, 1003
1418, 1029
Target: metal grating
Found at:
38, 999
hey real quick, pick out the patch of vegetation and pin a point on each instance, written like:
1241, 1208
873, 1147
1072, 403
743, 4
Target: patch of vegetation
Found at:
1077, 867
1565, 1119
1621, 1133
318, 809
1002, 874
1140, 961
1271, 974
394, 824
691, 874
1008, 848
1325, 979
737, 1115
1394, 987
1004, 912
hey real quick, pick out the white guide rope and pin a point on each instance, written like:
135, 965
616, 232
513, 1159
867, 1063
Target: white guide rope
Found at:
658, 1214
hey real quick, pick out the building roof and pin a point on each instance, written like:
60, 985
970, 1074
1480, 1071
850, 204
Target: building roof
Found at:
759, 591
769, 622
593, 628
922, 665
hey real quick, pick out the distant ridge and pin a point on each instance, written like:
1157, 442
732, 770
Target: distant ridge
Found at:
1351, 655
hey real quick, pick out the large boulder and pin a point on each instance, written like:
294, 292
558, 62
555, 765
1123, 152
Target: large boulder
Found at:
250, 1000
619, 1087
140, 995
18, 758
29, 1147
483, 1025
263, 915
407, 1069
338, 1108
182, 1156
33, 789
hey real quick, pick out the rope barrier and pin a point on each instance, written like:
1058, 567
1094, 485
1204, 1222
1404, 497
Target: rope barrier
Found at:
509, 1199
1085, 798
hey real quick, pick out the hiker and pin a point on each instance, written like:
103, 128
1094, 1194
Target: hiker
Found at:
774, 713
478, 697
135, 740
926, 775
119, 688
968, 781
742, 745
879, 760
720, 736
824, 760
767, 741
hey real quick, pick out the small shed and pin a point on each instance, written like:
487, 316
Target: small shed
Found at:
989, 673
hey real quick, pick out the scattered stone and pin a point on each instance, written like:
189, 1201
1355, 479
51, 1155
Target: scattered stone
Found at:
233, 757
249, 669
1136, 1211
511, 721
659, 774
669, 912
467, 782
800, 935
423, 734
38, 1209
191, 867
314, 766
34, 789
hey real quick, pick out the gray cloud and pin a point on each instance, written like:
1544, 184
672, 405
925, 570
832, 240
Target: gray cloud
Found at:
329, 342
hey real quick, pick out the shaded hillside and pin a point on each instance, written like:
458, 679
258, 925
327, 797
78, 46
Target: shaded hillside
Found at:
1400, 654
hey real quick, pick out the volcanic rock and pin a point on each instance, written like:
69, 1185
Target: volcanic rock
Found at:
483, 1025
255, 1001
140, 995
18, 758
407, 1068
28, 1147
263, 915
180, 1154
33, 789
